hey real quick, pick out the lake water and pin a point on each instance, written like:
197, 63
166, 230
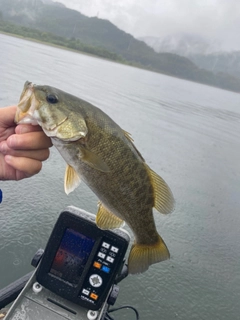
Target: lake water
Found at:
187, 132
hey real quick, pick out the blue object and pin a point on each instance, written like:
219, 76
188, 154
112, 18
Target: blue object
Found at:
1, 195
105, 269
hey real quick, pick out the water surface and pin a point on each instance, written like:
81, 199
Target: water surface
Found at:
187, 132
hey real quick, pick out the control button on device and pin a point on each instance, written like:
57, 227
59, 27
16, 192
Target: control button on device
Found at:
114, 249
97, 264
110, 259
101, 255
105, 269
106, 245
86, 292
94, 296
95, 280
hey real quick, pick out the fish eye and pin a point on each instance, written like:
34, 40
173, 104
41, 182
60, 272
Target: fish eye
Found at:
52, 98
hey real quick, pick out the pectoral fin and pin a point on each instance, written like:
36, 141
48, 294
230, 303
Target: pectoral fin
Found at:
163, 197
107, 220
71, 179
93, 160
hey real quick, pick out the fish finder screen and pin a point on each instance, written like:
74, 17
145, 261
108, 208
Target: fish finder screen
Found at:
72, 256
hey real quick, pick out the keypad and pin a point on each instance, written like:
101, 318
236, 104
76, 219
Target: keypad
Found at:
107, 253
101, 268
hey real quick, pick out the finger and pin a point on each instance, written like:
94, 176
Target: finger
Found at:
26, 128
6, 133
7, 116
25, 167
41, 155
32, 140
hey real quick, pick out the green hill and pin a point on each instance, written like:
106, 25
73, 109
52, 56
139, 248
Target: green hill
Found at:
228, 62
57, 24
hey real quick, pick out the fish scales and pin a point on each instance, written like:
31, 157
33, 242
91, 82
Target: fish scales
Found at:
103, 155
127, 187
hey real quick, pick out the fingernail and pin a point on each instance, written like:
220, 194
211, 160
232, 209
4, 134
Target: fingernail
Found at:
22, 129
8, 158
12, 141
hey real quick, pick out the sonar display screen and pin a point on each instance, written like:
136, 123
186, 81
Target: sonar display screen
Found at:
72, 256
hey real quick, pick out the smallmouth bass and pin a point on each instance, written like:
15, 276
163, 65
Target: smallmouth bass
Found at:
103, 155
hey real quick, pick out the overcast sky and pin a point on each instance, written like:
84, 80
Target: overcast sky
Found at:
215, 20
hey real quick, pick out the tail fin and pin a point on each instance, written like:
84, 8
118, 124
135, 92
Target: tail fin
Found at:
142, 256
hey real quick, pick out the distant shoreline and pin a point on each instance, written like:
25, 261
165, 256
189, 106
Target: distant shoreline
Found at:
14, 35
82, 52
90, 55
56, 46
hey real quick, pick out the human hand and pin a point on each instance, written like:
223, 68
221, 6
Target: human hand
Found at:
22, 147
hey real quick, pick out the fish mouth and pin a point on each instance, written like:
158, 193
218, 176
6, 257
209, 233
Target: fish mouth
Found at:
55, 126
30, 110
26, 106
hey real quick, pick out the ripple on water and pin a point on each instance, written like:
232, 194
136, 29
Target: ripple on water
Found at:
25, 239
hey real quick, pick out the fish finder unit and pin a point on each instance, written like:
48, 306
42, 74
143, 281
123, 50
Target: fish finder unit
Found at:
77, 271
81, 261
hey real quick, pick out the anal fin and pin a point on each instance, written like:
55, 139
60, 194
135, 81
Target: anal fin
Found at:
107, 220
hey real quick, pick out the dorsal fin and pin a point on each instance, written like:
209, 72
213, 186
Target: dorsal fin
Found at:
163, 197
128, 136
130, 139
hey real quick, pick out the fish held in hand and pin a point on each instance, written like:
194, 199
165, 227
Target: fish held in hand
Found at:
103, 155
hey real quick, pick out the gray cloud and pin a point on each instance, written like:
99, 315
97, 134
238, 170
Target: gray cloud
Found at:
216, 20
